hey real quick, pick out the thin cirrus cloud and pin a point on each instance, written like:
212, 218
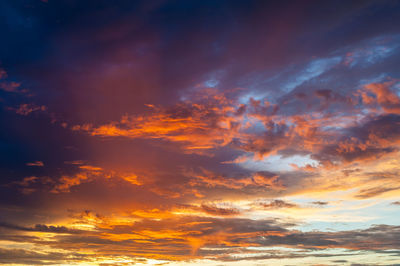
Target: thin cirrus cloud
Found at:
204, 133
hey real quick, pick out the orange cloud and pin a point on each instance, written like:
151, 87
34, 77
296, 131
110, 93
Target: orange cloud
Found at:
10, 86
36, 163
66, 182
382, 95
179, 238
208, 123
210, 179
90, 173
211, 120
26, 109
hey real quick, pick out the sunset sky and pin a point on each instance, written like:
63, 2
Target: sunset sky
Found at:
196, 132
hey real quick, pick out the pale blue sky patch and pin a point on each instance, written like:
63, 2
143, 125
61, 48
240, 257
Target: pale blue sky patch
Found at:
278, 163
211, 83
314, 69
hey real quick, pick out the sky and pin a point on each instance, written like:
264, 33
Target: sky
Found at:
199, 132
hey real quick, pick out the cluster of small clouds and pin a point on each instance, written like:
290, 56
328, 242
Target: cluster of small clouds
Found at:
10, 86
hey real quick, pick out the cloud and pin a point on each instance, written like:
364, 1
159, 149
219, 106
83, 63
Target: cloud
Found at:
183, 237
257, 180
10, 86
36, 163
375, 137
26, 109
41, 228
88, 167
373, 192
278, 204
209, 122
215, 210
65, 183
381, 95
320, 203
83, 174
29, 257
32, 184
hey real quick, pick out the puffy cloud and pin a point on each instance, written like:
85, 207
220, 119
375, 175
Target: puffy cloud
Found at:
211, 121
374, 137
382, 95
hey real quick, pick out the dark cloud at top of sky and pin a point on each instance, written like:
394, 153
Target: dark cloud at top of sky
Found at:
88, 50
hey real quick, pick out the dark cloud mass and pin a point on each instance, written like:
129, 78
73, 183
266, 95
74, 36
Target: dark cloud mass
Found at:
199, 132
